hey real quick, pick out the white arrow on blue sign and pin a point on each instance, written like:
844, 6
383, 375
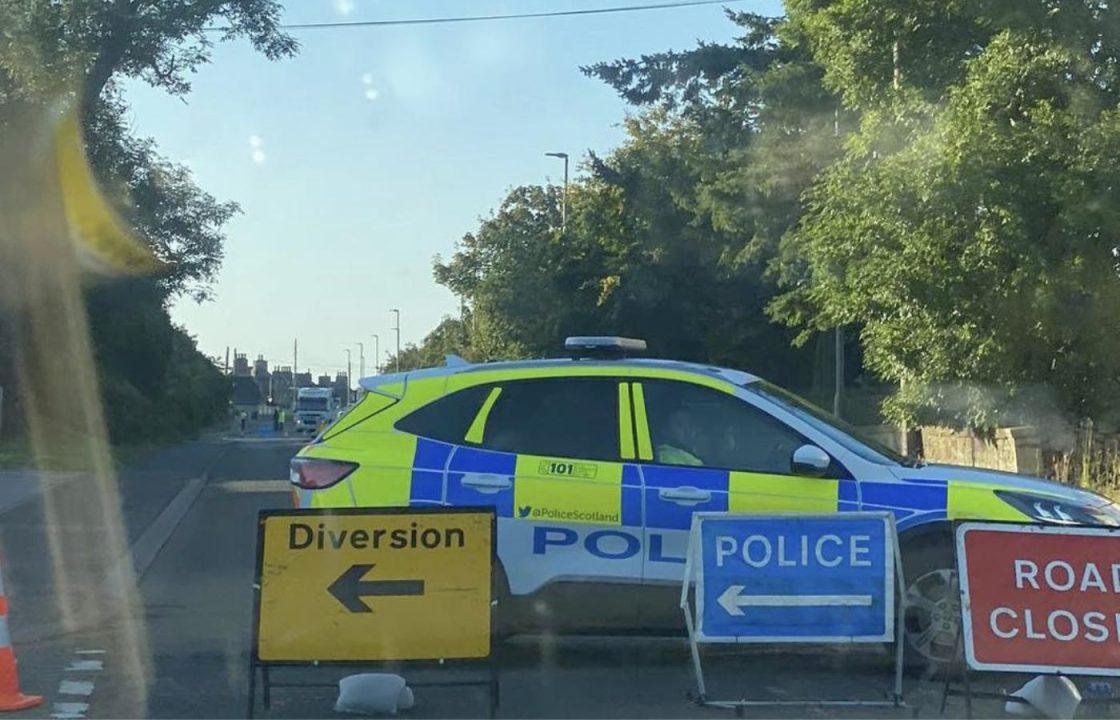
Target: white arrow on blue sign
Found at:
827, 578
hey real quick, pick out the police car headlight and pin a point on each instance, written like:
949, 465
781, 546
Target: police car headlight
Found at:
1060, 512
1107, 514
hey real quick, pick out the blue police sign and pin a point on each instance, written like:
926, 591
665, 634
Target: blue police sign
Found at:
827, 578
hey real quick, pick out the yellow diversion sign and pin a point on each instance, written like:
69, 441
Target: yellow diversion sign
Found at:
374, 584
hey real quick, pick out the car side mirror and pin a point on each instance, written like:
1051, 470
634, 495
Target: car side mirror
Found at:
810, 460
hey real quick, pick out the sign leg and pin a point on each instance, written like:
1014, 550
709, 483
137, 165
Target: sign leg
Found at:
967, 693
702, 692
949, 674
252, 690
899, 622
266, 686
495, 688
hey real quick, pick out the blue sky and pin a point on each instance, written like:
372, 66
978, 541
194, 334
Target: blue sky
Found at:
375, 149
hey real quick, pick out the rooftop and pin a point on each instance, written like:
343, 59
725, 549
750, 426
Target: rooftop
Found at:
456, 366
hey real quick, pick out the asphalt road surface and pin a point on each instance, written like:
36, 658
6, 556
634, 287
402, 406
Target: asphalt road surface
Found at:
164, 631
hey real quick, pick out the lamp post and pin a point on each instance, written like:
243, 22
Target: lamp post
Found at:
397, 328
564, 201
376, 354
346, 402
361, 361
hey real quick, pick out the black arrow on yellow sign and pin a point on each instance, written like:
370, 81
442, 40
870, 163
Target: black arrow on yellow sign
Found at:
350, 588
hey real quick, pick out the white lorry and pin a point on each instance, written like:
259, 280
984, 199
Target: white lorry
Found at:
314, 407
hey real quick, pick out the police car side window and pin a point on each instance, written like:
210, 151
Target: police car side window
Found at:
447, 418
695, 425
565, 417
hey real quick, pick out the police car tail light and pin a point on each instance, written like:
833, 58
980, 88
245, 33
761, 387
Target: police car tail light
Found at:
316, 474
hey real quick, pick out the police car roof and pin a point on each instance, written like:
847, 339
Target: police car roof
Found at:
737, 377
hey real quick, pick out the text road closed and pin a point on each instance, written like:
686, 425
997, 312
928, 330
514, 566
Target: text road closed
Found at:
1041, 597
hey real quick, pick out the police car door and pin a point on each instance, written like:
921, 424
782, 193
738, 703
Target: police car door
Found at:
548, 457
705, 449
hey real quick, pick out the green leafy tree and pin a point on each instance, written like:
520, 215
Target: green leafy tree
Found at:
51, 45
640, 256
975, 238
50, 50
450, 337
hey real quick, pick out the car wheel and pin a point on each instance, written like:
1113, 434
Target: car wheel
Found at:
931, 608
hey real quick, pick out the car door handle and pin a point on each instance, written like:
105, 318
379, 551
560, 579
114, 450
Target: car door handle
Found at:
685, 495
487, 483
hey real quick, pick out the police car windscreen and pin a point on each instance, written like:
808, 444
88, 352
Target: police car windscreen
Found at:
842, 432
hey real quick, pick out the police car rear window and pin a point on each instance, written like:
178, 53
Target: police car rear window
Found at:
565, 416
448, 418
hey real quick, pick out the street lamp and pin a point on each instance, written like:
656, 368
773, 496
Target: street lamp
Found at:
564, 204
397, 328
347, 401
361, 361
376, 355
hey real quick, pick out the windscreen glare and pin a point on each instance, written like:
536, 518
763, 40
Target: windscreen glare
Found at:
559, 358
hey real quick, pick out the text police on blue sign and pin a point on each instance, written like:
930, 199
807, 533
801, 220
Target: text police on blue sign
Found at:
827, 578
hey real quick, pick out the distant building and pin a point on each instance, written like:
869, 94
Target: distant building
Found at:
341, 388
246, 395
262, 377
304, 380
282, 392
324, 381
240, 364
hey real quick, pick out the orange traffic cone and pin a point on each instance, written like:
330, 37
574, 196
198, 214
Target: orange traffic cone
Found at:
10, 696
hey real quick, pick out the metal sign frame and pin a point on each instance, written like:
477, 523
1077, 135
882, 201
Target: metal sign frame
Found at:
959, 531
960, 580
693, 612
492, 659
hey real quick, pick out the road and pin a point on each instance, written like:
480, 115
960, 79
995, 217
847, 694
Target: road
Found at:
175, 643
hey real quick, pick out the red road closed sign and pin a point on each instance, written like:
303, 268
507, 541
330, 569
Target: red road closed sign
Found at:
1040, 598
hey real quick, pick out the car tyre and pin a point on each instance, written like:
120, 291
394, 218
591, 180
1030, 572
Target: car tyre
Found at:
931, 607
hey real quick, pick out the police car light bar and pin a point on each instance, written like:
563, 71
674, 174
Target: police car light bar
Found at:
591, 345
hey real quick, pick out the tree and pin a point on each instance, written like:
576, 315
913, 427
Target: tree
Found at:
56, 49
450, 337
970, 226
932, 174
640, 256
51, 45
53, 51
764, 122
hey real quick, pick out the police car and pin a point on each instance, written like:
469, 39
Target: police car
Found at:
595, 464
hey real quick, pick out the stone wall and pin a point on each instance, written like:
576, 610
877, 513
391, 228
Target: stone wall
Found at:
889, 435
1012, 449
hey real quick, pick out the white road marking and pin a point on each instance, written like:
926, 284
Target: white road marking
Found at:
80, 663
69, 711
255, 486
267, 440
75, 687
71, 708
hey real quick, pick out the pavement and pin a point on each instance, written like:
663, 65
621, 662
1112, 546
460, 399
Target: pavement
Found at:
162, 626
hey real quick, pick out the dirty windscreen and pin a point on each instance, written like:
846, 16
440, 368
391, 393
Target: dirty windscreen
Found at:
550, 358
